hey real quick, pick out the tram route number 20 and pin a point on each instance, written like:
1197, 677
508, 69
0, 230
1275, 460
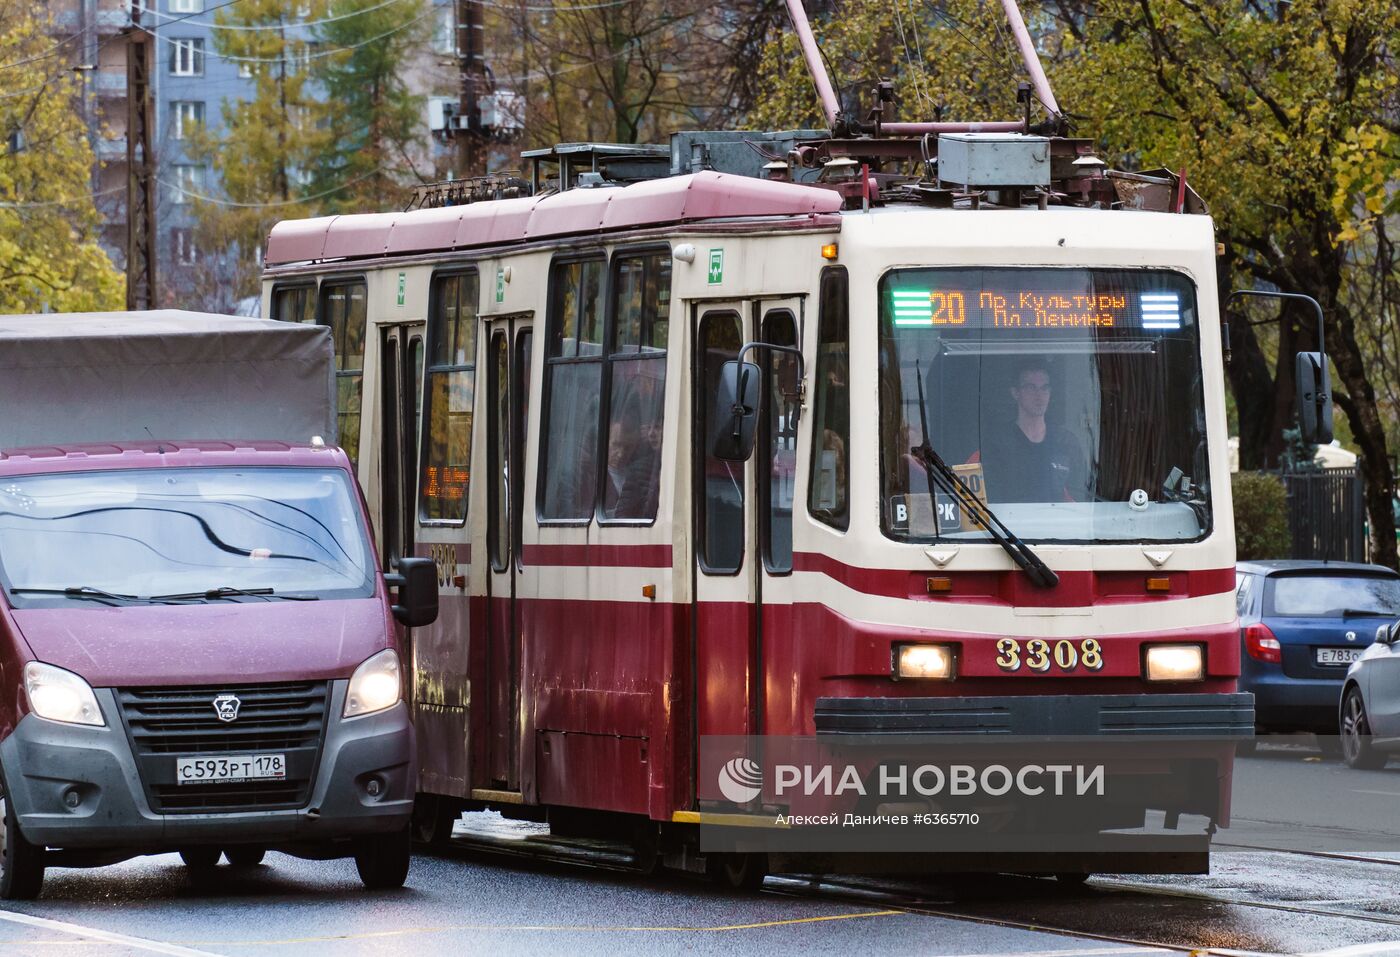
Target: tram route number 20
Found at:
1037, 654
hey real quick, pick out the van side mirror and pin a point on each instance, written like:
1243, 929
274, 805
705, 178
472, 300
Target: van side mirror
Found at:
417, 582
1386, 634
1314, 398
736, 411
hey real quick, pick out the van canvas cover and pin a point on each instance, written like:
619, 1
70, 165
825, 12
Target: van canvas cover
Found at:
68, 378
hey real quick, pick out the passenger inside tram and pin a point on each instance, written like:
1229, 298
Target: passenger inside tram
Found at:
1026, 458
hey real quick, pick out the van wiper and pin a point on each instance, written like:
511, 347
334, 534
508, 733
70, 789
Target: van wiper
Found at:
227, 591
1365, 613
87, 592
942, 475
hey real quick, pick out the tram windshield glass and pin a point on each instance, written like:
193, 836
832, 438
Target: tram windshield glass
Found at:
1069, 400
144, 533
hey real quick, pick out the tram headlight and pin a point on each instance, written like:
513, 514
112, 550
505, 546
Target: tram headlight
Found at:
1174, 663
924, 661
374, 686
58, 695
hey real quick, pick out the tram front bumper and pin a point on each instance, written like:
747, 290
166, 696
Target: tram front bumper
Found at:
1195, 715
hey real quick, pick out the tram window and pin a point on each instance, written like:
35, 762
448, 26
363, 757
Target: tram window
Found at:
573, 383
829, 484
576, 303
451, 385
641, 308
294, 304
343, 309
721, 482
779, 437
500, 452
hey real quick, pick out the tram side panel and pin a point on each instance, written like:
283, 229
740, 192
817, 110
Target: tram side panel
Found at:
599, 622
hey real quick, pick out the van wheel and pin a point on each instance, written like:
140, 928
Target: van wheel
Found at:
737, 872
1357, 750
200, 860
245, 856
21, 863
383, 859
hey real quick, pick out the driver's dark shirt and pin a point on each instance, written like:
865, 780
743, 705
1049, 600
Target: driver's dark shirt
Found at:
1016, 469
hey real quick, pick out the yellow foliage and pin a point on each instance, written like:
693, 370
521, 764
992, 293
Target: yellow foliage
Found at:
49, 255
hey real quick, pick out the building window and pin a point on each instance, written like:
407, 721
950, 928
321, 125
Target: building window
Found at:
641, 310
185, 116
187, 57
445, 31
343, 309
182, 241
186, 6
573, 382
451, 386
188, 183
828, 491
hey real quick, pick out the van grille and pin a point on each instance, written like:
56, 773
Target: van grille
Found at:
168, 723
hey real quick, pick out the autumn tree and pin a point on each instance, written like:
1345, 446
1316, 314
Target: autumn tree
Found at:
370, 120
49, 253
268, 142
631, 72
1285, 117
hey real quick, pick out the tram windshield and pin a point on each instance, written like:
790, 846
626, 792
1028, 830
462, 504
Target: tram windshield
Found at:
1069, 400
159, 534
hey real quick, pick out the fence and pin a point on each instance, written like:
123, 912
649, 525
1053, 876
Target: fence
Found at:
1327, 514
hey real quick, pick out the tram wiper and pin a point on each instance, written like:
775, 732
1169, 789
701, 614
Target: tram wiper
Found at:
942, 475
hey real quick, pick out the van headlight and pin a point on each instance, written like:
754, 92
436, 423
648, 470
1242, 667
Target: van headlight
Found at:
374, 686
58, 695
1174, 663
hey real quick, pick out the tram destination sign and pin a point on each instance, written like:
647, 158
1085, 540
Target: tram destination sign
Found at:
1034, 300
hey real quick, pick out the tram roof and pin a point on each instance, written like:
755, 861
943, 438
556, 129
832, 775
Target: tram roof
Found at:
673, 200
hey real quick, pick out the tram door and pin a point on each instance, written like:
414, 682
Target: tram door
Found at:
742, 517
401, 419
508, 348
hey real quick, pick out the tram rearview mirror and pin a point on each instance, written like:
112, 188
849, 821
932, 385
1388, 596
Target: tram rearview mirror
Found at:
1314, 398
735, 411
417, 582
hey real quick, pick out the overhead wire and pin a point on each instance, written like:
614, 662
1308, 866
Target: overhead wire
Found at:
186, 191
311, 54
213, 25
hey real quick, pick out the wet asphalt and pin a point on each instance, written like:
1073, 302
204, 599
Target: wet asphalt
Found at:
1333, 888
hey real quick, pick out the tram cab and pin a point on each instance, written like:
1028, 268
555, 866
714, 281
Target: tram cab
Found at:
987, 492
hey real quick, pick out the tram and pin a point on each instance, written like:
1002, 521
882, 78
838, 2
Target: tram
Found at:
987, 475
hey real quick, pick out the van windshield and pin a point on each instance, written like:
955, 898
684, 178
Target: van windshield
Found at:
146, 532
1069, 400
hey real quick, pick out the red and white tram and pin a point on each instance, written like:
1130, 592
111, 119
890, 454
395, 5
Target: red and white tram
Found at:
529, 387
989, 490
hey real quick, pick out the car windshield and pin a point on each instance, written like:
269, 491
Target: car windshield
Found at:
1319, 596
171, 531
1070, 400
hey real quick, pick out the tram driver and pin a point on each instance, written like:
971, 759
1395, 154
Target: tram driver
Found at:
1029, 459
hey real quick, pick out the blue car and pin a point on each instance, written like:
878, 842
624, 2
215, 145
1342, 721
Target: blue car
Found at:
1302, 625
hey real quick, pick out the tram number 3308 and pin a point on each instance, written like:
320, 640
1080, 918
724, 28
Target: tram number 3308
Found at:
1037, 654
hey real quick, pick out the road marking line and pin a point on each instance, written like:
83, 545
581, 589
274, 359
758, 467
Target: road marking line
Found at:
1357, 950
576, 928
1393, 794
92, 933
